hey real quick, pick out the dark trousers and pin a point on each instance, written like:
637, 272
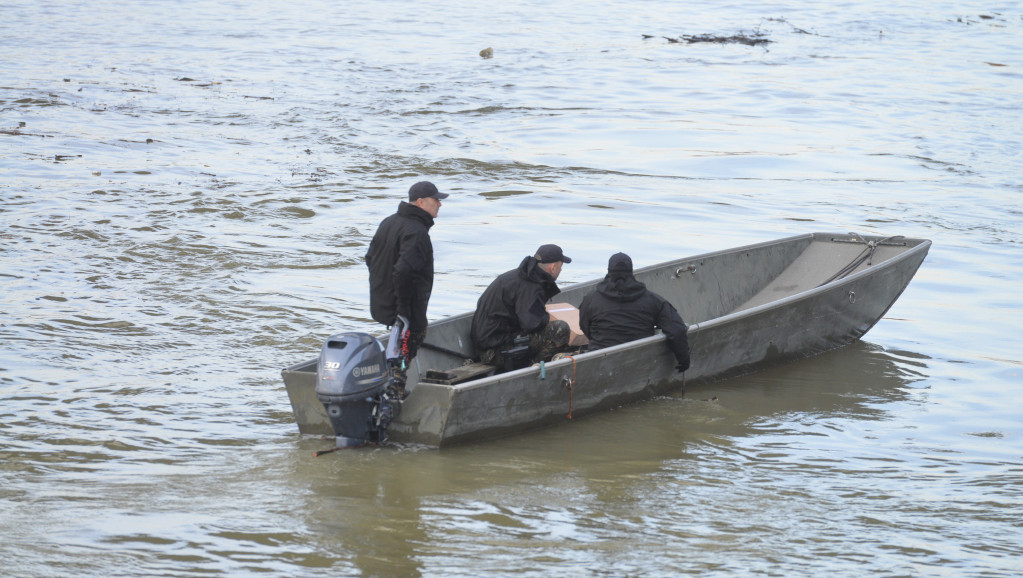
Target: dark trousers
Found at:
543, 345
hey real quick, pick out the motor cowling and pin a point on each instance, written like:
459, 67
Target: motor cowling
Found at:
351, 382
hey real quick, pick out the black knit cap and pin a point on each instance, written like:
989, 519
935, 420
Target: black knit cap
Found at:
619, 263
551, 254
424, 189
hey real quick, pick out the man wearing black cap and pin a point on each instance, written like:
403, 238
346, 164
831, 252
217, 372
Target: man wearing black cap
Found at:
514, 305
622, 309
400, 261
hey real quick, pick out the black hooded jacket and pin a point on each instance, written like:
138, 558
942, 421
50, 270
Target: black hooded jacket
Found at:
513, 304
400, 261
622, 309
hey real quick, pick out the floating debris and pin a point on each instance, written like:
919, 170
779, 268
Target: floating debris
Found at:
995, 18
754, 39
19, 132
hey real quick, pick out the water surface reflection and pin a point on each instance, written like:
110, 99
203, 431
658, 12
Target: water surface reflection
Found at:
632, 472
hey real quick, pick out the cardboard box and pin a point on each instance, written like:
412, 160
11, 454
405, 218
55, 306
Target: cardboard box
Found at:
570, 315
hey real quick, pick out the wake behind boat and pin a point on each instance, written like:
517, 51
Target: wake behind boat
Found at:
747, 308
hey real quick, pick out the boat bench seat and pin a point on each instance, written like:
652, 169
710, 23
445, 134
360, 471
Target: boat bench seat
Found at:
458, 375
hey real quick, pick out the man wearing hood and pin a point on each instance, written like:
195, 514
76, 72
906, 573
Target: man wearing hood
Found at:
514, 305
622, 309
400, 261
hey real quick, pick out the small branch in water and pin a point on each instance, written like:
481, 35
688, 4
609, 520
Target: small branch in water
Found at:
16, 132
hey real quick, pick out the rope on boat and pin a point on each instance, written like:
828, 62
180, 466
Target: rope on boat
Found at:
568, 385
867, 254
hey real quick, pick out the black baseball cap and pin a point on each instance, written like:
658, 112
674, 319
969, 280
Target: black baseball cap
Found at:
619, 263
424, 189
551, 254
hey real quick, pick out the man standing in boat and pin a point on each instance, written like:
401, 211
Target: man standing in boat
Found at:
514, 305
622, 309
400, 261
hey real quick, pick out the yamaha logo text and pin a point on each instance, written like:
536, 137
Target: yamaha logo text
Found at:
366, 370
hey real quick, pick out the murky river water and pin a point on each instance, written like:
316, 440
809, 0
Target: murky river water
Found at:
187, 190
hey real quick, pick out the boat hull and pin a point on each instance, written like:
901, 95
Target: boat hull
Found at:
748, 308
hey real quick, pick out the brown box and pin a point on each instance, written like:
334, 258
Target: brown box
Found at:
570, 315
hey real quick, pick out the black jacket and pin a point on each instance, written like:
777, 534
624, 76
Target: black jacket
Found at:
400, 261
513, 304
621, 309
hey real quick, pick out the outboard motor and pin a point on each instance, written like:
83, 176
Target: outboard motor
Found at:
351, 383
352, 378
